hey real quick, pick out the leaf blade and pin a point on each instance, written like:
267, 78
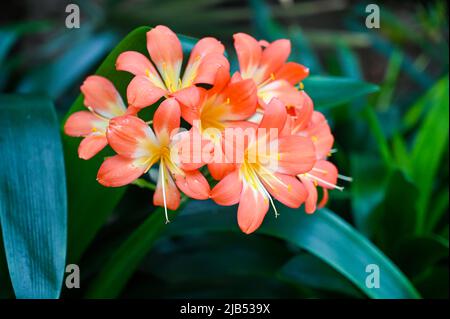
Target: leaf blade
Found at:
348, 252
33, 211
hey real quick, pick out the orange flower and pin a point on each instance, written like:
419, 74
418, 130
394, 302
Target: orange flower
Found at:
273, 76
304, 121
227, 104
104, 103
164, 47
139, 148
256, 179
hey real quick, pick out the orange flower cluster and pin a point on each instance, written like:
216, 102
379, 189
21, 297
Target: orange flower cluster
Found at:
265, 96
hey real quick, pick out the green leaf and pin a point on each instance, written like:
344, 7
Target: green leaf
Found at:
310, 271
227, 256
6, 290
323, 234
395, 217
7, 40
55, 78
124, 261
33, 205
328, 92
429, 147
415, 255
348, 61
439, 209
90, 204
370, 176
378, 134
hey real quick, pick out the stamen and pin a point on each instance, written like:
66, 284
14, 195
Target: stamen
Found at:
161, 167
273, 206
272, 76
301, 86
345, 178
317, 179
96, 114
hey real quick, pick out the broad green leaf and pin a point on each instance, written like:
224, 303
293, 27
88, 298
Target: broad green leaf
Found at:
400, 153
370, 176
395, 218
308, 270
227, 256
6, 290
390, 80
323, 234
434, 283
33, 202
7, 40
327, 91
377, 132
90, 203
55, 78
10, 34
348, 61
439, 208
429, 147
121, 265
416, 255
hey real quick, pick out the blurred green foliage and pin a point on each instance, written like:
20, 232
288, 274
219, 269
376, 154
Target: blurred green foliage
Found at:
393, 143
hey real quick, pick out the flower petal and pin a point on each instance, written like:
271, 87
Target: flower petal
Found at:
249, 54
83, 123
166, 120
241, 100
286, 189
325, 171
296, 155
131, 137
101, 96
219, 170
194, 185
282, 90
302, 112
228, 191
190, 149
274, 116
311, 199
138, 64
172, 194
206, 57
273, 57
190, 99
141, 92
166, 52
118, 171
320, 133
324, 199
91, 145
292, 72
253, 207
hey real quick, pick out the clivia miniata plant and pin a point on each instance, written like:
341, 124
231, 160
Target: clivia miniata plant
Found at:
147, 183
255, 130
